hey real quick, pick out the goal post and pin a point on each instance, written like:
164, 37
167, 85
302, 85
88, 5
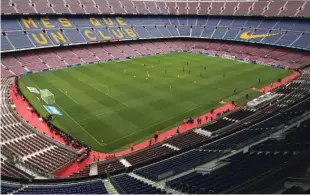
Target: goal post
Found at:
47, 96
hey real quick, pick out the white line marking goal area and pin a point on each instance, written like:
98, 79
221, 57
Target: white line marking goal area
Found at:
102, 144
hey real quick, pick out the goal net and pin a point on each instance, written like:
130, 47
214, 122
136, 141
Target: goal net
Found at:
47, 96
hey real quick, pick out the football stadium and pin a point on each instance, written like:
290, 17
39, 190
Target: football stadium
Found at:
155, 97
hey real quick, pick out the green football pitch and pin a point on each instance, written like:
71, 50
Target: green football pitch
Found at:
112, 104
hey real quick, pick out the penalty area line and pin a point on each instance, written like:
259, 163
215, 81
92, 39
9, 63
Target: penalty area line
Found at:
81, 126
75, 121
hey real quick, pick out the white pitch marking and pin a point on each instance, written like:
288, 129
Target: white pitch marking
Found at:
102, 86
80, 126
74, 120
68, 96
101, 92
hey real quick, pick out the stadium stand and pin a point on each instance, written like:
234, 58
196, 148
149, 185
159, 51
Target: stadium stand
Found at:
177, 164
53, 58
35, 32
46, 34
35, 150
9, 187
295, 140
126, 184
8, 169
94, 186
240, 8
241, 168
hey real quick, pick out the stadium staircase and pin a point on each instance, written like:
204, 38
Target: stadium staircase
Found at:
160, 185
110, 188
125, 162
93, 169
171, 147
19, 189
30, 172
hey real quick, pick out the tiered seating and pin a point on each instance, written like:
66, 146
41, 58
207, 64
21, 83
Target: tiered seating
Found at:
31, 61
236, 140
255, 132
288, 33
295, 141
230, 8
187, 140
5, 72
13, 131
42, 7
103, 7
304, 10
68, 56
177, 164
149, 155
83, 187
51, 160
13, 64
8, 169
218, 124
274, 7
83, 173
8, 187
35, 150
99, 52
126, 184
291, 8
110, 166
241, 168
84, 54
59, 6
241, 114
51, 59
27, 145
114, 52
127, 50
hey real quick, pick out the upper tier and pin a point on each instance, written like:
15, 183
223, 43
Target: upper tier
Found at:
20, 33
279, 8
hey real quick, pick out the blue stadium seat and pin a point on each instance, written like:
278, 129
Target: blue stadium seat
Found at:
5, 45
178, 164
126, 184
85, 187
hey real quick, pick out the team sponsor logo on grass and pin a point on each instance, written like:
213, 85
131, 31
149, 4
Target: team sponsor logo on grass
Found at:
52, 109
33, 90
247, 36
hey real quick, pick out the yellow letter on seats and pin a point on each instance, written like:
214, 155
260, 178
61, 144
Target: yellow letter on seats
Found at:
46, 23
29, 23
42, 40
94, 22
105, 37
65, 22
130, 32
120, 21
58, 37
117, 33
89, 35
